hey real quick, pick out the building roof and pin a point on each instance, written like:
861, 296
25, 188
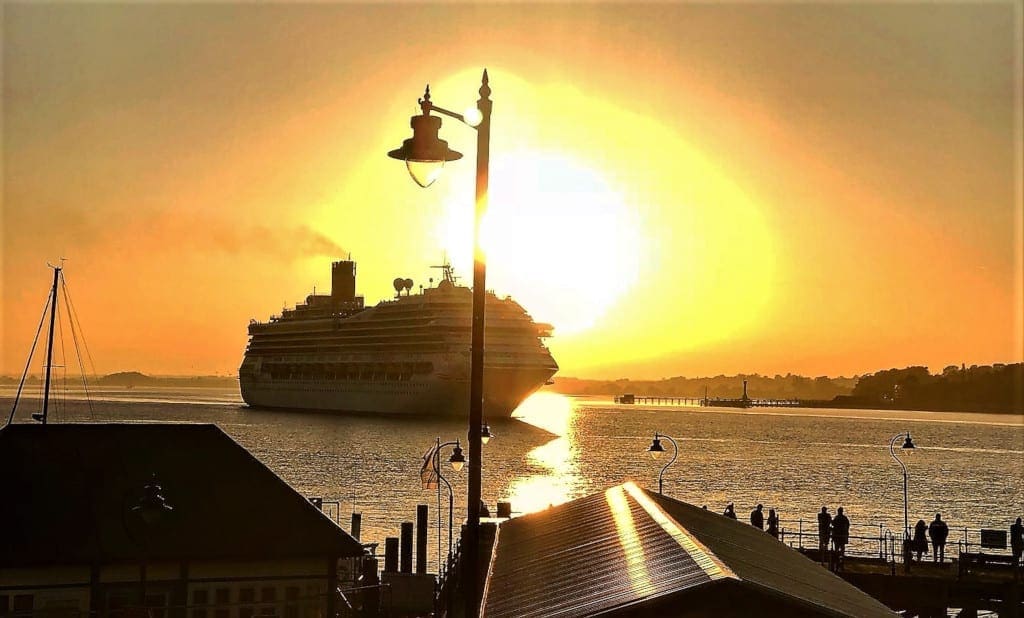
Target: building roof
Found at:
69, 491
629, 551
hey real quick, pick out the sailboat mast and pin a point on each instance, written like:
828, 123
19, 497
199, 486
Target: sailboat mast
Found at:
49, 348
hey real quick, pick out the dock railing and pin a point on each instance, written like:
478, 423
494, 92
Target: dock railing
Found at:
879, 542
866, 540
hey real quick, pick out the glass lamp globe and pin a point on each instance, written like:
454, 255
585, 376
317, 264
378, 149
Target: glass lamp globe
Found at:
458, 460
424, 173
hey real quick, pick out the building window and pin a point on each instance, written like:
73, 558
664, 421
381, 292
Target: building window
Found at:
200, 599
291, 597
311, 606
23, 604
156, 604
246, 597
222, 603
268, 600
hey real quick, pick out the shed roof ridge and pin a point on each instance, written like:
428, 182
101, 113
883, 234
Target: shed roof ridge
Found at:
711, 564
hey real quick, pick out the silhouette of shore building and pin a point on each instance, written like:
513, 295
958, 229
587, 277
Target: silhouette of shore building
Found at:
159, 520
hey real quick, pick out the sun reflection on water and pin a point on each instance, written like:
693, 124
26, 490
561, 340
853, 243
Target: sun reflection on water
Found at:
555, 461
552, 412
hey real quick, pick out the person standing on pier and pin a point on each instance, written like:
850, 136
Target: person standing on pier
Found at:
730, 511
1017, 541
773, 523
938, 531
840, 532
920, 538
757, 517
824, 531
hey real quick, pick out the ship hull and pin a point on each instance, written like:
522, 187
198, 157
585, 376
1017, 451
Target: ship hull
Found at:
504, 390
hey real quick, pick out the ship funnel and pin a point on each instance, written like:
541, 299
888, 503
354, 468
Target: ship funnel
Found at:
343, 280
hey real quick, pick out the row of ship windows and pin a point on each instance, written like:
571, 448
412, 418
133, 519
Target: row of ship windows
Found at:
348, 371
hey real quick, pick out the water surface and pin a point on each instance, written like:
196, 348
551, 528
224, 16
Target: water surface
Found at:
968, 466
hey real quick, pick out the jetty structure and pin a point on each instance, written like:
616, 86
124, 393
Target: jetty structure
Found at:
719, 402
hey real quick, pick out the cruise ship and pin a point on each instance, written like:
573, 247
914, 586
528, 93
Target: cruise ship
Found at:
409, 355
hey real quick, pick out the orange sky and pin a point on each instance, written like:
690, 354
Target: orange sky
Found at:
680, 189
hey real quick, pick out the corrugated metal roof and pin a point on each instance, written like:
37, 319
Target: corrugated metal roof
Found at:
626, 546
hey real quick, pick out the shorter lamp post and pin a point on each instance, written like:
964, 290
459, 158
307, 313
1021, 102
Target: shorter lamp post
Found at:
907, 448
656, 450
457, 460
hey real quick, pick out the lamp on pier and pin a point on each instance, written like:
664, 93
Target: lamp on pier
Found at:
657, 450
908, 448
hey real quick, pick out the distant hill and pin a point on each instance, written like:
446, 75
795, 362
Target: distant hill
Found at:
135, 378
125, 378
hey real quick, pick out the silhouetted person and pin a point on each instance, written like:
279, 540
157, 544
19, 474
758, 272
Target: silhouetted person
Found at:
1017, 541
757, 517
938, 531
824, 532
773, 523
840, 531
920, 543
729, 511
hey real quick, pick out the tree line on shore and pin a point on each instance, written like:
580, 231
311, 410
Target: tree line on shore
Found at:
978, 388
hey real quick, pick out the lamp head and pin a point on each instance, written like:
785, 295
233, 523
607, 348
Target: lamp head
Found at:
425, 153
908, 445
457, 459
152, 507
485, 434
656, 449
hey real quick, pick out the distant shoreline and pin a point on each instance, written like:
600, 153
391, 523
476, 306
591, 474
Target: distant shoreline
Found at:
997, 389
134, 379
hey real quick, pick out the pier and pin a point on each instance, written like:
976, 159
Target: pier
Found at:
630, 398
717, 402
978, 575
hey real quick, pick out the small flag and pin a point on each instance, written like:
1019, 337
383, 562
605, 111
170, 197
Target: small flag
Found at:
428, 474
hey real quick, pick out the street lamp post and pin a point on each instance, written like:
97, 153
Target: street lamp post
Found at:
457, 460
425, 154
149, 511
907, 448
656, 450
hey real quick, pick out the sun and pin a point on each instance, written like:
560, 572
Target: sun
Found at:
557, 238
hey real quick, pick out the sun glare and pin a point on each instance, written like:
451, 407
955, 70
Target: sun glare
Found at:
557, 238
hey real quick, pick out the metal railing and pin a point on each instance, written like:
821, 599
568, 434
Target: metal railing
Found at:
865, 540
